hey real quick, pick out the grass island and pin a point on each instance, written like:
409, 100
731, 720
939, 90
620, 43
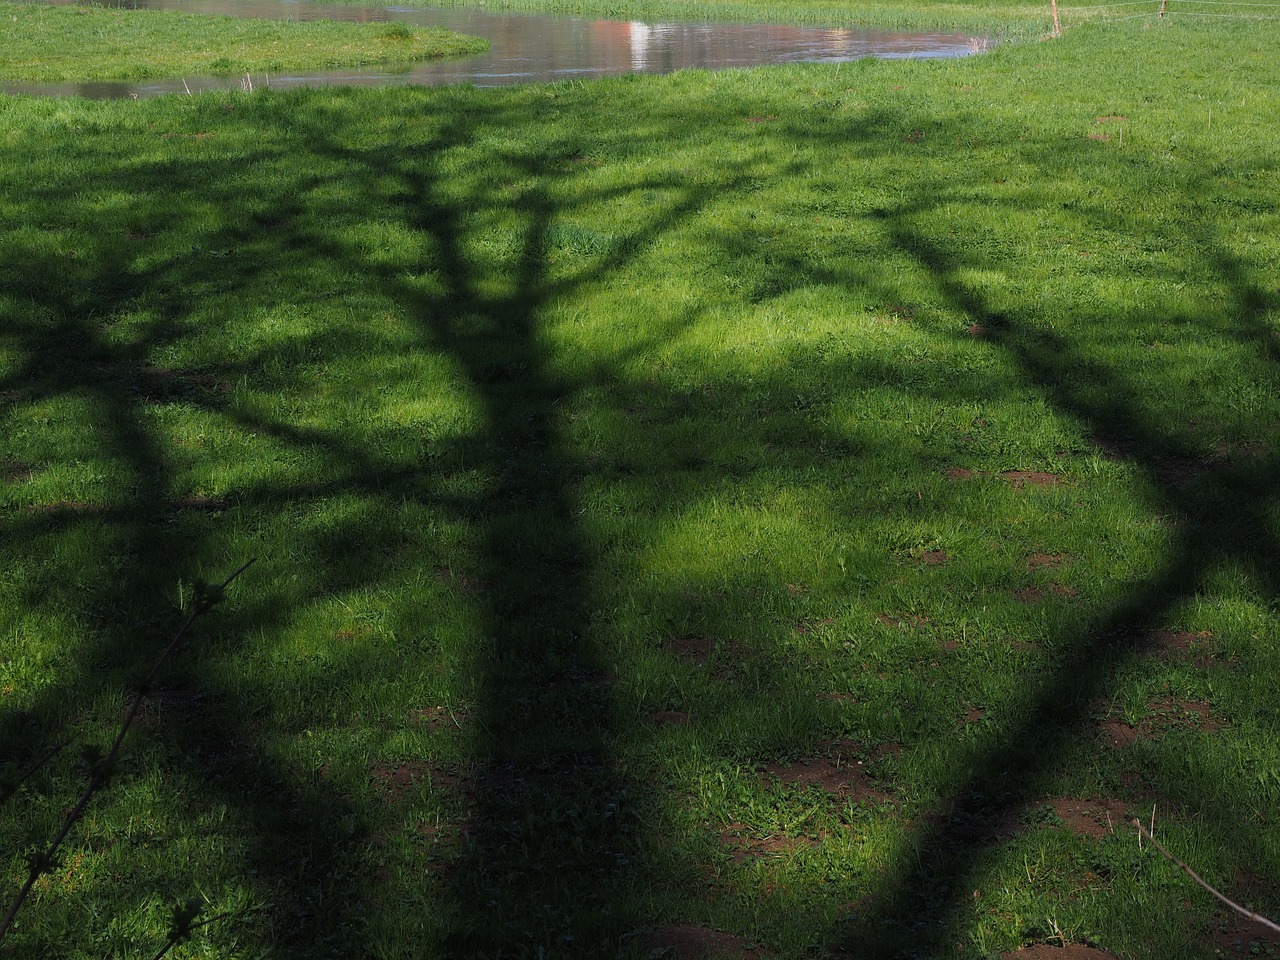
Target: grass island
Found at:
65, 44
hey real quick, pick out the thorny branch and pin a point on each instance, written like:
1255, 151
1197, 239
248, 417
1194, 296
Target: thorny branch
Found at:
1255, 917
185, 923
207, 596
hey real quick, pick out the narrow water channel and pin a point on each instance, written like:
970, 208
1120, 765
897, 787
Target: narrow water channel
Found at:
530, 48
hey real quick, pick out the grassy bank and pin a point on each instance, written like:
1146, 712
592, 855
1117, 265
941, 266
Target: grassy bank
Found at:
817, 505
45, 44
1000, 18
997, 17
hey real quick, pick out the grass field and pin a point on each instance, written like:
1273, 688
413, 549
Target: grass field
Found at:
1005, 18
47, 44
808, 510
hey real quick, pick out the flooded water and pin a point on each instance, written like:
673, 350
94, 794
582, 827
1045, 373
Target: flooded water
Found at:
528, 48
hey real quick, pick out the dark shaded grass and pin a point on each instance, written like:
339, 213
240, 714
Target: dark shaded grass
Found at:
1222, 520
547, 765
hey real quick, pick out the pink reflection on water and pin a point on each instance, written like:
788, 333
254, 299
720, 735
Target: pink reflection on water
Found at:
528, 48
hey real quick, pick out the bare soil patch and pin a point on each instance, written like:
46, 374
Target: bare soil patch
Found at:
971, 716
737, 838
1170, 713
444, 838
1091, 819
584, 680
901, 619
692, 648
12, 471
1174, 471
808, 625
837, 768
461, 582
1234, 936
1034, 478
1037, 594
971, 818
1118, 734
1180, 471
1241, 452
669, 718
685, 941
174, 697
440, 831
73, 507
197, 503
702, 650
396, 780
1015, 478
1043, 951
1044, 561
440, 717
200, 503
156, 703
839, 697
1114, 447
517, 781
1168, 645
1163, 715
165, 380
934, 558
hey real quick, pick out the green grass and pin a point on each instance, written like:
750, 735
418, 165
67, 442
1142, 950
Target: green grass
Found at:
1008, 18
46, 44
515, 392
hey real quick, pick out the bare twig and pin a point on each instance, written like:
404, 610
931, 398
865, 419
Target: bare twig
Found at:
207, 596
1249, 914
8, 789
185, 924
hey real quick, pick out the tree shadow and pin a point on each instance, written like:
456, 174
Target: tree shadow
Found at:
557, 850
552, 841
1220, 513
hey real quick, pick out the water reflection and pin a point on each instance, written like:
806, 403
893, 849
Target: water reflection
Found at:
526, 47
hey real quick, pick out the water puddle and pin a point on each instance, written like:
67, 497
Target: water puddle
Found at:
532, 48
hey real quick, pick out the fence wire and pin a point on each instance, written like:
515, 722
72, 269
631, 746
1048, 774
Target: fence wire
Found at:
1166, 10
1230, 3
1224, 16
